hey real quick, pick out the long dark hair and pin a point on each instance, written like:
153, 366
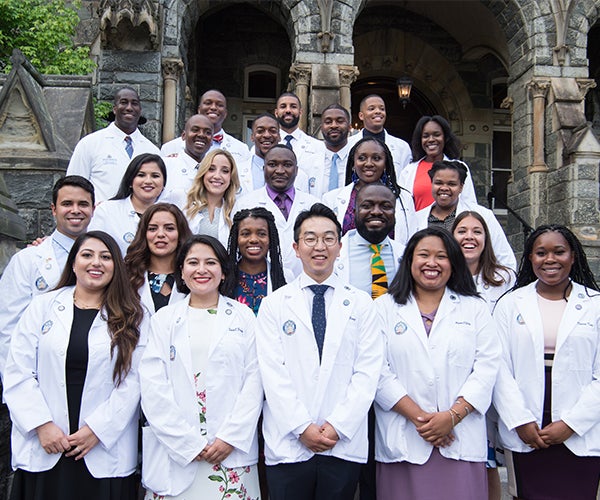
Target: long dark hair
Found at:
222, 256
277, 276
580, 271
460, 282
122, 306
451, 142
133, 168
138, 257
492, 272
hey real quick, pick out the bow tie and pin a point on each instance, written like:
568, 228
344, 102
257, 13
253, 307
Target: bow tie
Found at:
218, 137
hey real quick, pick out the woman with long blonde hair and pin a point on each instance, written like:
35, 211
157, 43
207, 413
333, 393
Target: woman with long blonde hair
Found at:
212, 195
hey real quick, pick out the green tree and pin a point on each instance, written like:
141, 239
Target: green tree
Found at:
43, 30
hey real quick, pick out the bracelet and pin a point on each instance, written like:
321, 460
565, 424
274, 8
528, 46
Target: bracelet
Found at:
467, 411
452, 416
455, 413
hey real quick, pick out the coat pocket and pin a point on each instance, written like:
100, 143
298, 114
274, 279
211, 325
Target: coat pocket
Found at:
156, 472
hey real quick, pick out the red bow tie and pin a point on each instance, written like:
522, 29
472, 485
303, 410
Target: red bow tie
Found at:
218, 137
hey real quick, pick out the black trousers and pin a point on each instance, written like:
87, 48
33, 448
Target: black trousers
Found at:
320, 478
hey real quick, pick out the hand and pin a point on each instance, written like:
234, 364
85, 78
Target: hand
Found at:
37, 242
329, 432
556, 433
530, 435
82, 442
216, 452
444, 441
435, 426
52, 438
315, 440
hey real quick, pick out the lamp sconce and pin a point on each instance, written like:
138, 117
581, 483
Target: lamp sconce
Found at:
404, 84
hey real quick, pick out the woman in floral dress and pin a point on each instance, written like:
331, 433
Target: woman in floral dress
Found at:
201, 388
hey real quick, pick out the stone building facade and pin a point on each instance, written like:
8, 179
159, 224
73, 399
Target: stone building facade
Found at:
515, 78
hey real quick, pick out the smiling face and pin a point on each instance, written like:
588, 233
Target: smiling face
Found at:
552, 259
162, 234
253, 239
335, 128
375, 212
369, 162
127, 110
445, 188
432, 141
265, 134
470, 235
288, 112
93, 266
280, 169
202, 273
372, 113
218, 176
430, 267
148, 183
213, 105
318, 261
198, 136
73, 210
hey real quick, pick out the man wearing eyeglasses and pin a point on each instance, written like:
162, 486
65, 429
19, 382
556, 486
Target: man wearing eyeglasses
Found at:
281, 198
320, 355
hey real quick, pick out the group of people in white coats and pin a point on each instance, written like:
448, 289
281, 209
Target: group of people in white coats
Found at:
227, 305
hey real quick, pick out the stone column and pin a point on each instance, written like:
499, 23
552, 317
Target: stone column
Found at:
348, 75
171, 70
300, 75
538, 90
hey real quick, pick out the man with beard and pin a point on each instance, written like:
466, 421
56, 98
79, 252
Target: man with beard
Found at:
369, 260
182, 167
307, 149
335, 126
103, 156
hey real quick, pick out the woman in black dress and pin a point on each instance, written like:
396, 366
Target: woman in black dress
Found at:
71, 381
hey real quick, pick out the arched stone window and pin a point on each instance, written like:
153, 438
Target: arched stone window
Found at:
261, 83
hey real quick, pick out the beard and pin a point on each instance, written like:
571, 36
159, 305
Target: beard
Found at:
374, 236
291, 124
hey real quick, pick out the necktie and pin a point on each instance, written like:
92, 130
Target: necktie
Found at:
379, 284
218, 138
129, 146
319, 321
288, 141
280, 200
333, 172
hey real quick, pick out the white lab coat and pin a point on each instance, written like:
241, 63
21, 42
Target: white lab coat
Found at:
399, 148
30, 272
238, 149
146, 295
310, 152
222, 228
405, 226
299, 390
247, 181
490, 293
234, 395
117, 218
460, 357
34, 389
408, 174
302, 201
342, 263
519, 392
502, 249
101, 158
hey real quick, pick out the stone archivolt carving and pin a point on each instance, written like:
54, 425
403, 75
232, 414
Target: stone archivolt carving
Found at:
138, 12
325, 35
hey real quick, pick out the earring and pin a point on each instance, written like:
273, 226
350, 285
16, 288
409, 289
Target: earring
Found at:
354, 177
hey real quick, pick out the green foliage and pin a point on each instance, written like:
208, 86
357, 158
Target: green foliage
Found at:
101, 110
43, 30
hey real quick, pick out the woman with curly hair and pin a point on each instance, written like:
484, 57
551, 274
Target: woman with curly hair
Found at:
254, 248
548, 389
71, 381
211, 198
150, 259
370, 161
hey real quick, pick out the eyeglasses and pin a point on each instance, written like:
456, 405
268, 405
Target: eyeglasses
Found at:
311, 240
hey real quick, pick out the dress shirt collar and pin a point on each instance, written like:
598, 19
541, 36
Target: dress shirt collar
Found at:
332, 281
291, 192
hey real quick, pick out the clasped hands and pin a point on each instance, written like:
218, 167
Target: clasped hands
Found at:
77, 445
319, 439
554, 433
435, 428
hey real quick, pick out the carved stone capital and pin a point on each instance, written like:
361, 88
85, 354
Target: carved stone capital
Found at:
171, 68
300, 74
584, 85
538, 88
348, 75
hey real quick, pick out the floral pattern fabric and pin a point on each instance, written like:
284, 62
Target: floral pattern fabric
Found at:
251, 289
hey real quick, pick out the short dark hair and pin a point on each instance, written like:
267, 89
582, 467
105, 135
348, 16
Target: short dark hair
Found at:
132, 170
460, 281
289, 94
451, 142
76, 181
265, 115
369, 97
317, 210
284, 146
456, 165
227, 285
340, 107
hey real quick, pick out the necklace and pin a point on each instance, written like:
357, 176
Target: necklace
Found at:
81, 305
